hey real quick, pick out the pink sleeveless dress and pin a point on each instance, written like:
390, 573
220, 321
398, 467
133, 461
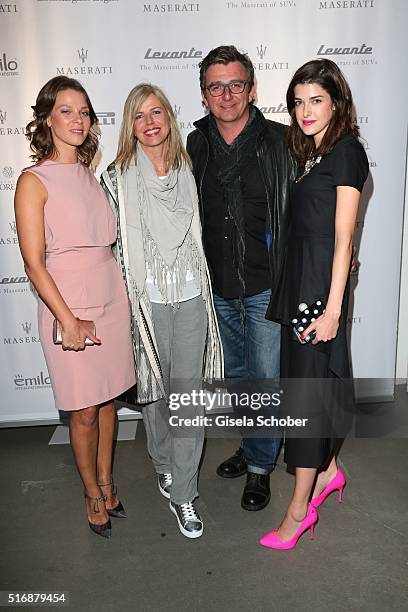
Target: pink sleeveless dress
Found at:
79, 231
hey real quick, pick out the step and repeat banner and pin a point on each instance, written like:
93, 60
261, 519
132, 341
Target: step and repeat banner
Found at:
111, 45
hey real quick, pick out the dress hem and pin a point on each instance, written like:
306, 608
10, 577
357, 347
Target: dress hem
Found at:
112, 396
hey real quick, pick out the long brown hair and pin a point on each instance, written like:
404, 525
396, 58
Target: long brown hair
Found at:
38, 132
175, 154
328, 75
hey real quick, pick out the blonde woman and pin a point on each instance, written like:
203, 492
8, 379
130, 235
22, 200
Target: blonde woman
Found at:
176, 338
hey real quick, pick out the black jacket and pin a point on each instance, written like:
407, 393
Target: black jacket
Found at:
278, 169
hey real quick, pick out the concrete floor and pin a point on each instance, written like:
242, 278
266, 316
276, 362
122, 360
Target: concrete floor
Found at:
358, 560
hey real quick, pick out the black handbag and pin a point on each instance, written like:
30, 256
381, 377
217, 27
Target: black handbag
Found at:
304, 317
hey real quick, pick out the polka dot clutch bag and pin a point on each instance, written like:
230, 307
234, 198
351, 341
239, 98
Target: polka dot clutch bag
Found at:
304, 317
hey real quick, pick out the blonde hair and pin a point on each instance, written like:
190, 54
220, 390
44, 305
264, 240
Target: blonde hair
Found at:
175, 155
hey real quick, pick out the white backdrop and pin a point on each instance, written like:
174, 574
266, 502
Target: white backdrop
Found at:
110, 45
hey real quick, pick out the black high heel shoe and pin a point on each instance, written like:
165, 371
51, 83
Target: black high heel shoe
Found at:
118, 511
104, 529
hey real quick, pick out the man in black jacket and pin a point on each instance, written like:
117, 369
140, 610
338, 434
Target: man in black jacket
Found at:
243, 172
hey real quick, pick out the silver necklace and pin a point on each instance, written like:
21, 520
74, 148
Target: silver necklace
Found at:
310, 163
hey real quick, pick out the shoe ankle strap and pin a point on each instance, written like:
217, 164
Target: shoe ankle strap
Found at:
96, 501
109, 484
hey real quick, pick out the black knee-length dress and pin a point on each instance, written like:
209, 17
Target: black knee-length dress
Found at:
316, 372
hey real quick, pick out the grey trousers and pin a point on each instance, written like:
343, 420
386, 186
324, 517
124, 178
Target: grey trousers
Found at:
181, 333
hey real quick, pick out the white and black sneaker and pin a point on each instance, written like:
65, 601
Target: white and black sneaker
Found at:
164, 481
188, 519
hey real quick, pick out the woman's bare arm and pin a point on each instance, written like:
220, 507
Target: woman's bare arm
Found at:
29, 202
347, 202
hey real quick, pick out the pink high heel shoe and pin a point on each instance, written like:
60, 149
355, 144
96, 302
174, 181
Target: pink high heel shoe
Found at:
271, 540
336, 483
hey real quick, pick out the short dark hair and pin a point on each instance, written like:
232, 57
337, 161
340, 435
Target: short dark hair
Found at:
38, 132
328, 75
226, 54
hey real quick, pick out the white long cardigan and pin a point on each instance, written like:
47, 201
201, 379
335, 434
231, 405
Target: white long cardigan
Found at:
149, 386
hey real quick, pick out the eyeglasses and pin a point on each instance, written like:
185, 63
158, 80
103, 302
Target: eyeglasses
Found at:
218, 89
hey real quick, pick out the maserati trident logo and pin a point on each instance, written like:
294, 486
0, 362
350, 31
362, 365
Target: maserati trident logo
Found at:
177, 110
21, 339
266, 65
26, 327
261, 51
3, 116
83, 68
11, 239
83, 54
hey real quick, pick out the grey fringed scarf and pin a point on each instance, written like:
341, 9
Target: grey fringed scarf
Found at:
150, 385
159, 217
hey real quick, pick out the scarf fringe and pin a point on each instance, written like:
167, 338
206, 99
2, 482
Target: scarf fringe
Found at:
149, 375
188, 258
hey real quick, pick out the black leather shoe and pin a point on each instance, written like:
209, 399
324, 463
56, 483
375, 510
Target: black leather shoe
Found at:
233, 466
256, 493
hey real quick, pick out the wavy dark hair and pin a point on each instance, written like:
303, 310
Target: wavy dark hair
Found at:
225, 55
328, 75
38, 132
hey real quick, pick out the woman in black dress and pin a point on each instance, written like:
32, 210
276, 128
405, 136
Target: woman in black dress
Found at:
323, 136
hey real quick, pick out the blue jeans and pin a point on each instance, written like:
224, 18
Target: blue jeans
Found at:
251, 351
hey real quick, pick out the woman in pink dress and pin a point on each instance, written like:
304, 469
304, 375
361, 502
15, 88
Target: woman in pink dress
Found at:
66, 229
